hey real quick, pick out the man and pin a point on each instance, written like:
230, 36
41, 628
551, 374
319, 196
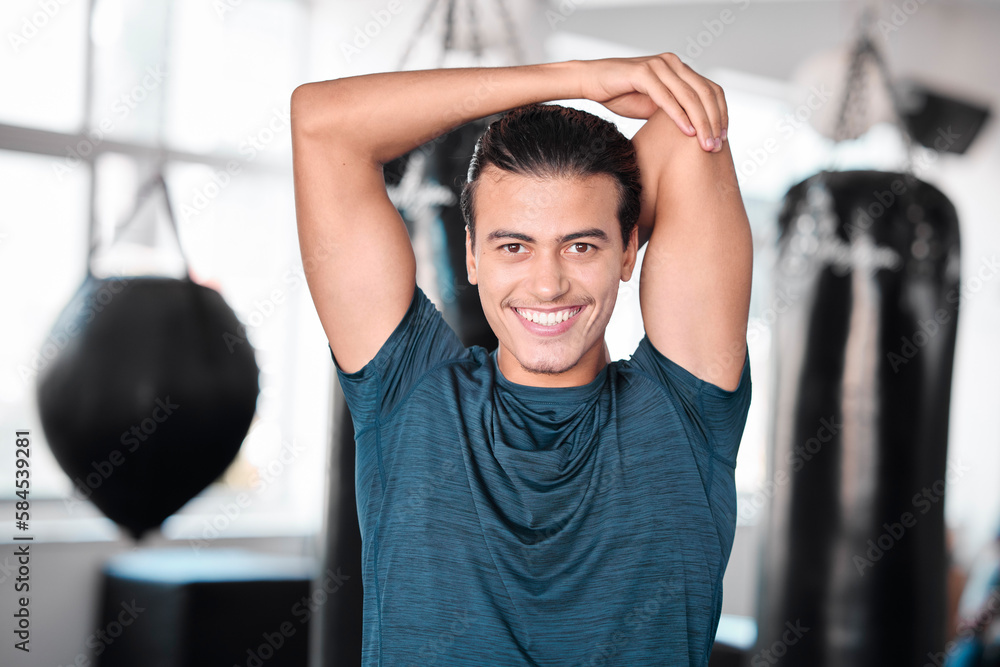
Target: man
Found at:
538, 505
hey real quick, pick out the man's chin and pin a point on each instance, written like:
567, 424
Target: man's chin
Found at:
546, 364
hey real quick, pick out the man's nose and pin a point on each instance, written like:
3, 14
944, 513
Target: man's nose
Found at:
549, 279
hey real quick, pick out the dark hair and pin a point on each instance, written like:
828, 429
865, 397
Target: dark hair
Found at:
549, 140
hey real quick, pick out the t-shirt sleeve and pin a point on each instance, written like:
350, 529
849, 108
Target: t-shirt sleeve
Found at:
421, 340
719, 415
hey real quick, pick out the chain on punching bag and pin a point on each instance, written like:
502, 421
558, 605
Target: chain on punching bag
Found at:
867, 290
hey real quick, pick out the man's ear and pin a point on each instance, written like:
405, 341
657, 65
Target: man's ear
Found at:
470, 258
630, 255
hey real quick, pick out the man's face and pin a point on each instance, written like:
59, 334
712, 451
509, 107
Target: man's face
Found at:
549, 249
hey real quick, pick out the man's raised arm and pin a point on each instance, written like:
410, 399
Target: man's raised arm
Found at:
694, 287
357, 256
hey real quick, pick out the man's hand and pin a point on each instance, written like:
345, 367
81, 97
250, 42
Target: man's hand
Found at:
637, 87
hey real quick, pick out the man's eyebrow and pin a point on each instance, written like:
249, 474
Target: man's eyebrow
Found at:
593, 232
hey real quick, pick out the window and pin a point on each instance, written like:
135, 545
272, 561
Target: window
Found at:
93, 106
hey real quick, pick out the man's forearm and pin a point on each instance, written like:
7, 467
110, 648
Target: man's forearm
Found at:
385, 115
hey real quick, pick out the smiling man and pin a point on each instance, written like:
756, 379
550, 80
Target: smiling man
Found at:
540, 504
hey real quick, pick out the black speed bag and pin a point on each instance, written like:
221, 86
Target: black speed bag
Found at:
150, 394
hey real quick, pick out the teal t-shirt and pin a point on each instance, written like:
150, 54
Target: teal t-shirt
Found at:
504, 524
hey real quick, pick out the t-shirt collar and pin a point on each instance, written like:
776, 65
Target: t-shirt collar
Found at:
577, 393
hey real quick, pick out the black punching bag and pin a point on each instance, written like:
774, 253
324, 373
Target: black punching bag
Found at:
866, 301
150, 394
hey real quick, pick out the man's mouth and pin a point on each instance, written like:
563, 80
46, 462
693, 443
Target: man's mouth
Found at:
550, 318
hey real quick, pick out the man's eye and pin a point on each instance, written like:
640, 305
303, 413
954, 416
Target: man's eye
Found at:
585, 246
508, 247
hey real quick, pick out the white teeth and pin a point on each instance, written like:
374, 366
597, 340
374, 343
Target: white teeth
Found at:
547, 319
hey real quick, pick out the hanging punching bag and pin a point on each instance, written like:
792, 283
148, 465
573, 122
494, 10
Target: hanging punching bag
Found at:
867, 295
150, 398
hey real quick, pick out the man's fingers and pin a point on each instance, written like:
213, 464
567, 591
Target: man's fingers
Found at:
666, 101
718, 98
712, 101
724, 107
693, 101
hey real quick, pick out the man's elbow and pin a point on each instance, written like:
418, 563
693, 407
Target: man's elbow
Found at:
312, 108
